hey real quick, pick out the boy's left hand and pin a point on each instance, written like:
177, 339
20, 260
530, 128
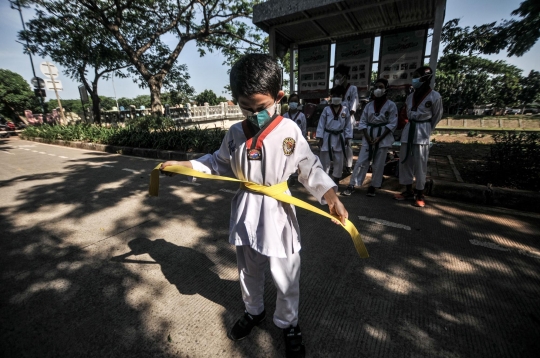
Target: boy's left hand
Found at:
335, 207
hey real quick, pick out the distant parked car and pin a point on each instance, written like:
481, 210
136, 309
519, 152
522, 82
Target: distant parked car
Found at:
531, 111
511, 111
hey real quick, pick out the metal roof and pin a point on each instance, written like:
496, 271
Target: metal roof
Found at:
309, 21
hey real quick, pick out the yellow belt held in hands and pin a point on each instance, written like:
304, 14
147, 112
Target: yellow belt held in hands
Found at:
274, 191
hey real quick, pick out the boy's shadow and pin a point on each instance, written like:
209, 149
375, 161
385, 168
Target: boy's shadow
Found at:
187, 269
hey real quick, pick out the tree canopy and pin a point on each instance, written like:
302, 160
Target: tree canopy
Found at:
208, 96
16, 95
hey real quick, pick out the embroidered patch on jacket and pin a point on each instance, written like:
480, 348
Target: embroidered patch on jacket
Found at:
343, 115
254, 154
288, 146
387, 114
428, 104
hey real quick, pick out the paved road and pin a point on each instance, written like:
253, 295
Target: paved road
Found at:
92, 266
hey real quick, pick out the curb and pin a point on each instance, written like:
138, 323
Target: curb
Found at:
472, 193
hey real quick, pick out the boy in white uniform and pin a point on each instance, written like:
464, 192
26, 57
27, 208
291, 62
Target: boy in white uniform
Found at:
378, 122
266, 149
295, 115
334, 132
424, 111
350, 100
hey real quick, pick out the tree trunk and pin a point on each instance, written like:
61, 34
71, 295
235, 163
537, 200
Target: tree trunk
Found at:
155, 96
95, 103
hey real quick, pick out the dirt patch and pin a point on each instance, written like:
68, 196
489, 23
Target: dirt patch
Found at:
469, 154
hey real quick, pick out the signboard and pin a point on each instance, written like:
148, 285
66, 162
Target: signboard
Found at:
313, 64
48, 69
357, 55
83, 94
50, 86
37, 82
401, 54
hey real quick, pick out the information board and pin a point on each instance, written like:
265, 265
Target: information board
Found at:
313, 64
401, 54
357, 54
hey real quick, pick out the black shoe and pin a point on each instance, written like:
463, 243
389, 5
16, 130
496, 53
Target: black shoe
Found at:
348, 191
294, 347
371, 191
242, 328
347, 171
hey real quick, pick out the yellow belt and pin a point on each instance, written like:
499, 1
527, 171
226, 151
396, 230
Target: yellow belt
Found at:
274, 191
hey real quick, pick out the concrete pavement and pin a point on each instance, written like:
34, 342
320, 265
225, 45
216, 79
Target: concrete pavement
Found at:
92, 266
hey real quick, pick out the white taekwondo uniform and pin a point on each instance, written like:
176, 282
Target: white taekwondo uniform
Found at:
262, 228
300, 119
350, 100
422, 119
334, 128
375, 120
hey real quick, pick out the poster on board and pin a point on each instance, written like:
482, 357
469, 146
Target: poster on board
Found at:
401, 54
357, 55
313, 64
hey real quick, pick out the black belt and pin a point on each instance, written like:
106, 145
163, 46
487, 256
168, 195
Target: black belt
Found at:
410, 137
372, 149
330, 142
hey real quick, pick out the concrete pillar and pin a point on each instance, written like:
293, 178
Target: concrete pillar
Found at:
188, 110
436, 38
272, 42
291, 66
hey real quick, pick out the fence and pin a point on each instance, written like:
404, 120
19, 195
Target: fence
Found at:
520, 122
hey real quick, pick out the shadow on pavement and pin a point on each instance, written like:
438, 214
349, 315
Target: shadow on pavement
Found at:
80, 275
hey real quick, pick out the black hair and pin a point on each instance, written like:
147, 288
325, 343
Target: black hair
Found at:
343, 69
425, 71
384, 81
292, 95
255, 73
337, 91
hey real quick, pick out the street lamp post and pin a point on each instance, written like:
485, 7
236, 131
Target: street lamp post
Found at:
18, 8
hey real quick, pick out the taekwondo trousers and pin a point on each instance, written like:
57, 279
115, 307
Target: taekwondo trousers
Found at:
336, 163
286, 276
362, 165
415, 166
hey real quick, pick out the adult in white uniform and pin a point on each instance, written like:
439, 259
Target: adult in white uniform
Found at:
266, 149
424, 111
334, 132
295, 115
378, 122
350, 100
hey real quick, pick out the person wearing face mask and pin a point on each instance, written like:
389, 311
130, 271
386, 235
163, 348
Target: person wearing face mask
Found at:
350, 100
334, 131
424, 111
378, 122
295, 115
266, 149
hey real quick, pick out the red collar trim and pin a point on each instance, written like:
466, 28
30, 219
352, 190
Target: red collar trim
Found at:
259, 137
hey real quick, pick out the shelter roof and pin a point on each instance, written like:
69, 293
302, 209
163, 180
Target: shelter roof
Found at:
311, 21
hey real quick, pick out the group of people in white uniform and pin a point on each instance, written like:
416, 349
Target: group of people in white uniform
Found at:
378, 122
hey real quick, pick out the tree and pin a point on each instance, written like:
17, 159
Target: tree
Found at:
142, 28
464, 81
15, 95
515, 36
530, 89
85, 51
142, 100
208, 96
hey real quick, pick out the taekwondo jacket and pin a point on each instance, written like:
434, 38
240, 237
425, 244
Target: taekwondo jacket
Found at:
257, 220
387, 115
300, 119
334, 121
429, 109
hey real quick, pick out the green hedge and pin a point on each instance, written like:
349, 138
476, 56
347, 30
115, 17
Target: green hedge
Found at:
155, 133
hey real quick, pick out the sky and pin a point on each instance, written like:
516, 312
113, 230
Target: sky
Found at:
208, 72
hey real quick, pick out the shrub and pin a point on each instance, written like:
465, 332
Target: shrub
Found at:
141, 133
472, 134
514, 160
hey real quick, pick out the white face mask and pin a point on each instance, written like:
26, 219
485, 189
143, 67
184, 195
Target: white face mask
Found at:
378, 92
293, 105
337, 82
336, 100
